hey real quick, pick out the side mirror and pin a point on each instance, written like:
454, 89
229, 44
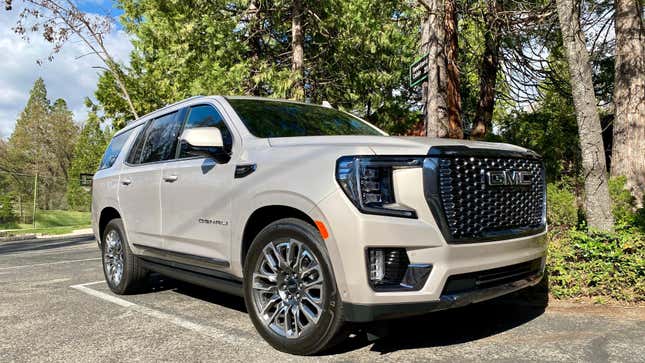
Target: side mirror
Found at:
206, 141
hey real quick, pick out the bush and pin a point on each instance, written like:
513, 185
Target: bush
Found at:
624, 205
595, 264
7, 215
622, 200
562, 210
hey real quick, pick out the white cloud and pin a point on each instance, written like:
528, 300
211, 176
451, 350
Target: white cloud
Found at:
65, 77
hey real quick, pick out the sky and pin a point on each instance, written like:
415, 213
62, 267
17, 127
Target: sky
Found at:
65, 77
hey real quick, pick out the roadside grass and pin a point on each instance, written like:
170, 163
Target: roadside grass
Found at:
51, 222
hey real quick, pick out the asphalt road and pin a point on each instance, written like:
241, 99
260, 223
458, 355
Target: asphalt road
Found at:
54, 306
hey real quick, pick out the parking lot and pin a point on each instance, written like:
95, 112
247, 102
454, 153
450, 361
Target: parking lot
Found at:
54, 306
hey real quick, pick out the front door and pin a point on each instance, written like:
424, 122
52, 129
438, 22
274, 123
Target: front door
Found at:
195, 196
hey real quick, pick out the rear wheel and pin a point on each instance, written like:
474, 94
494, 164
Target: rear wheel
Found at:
122, 269
289, 288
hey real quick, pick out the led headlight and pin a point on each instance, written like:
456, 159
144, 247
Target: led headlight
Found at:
367, 181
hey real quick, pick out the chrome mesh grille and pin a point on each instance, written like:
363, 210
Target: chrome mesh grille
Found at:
475, 209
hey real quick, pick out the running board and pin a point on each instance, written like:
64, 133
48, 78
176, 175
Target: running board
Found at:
229, 286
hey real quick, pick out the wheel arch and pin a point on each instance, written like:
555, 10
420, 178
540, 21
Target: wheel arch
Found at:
107, 214
265, 215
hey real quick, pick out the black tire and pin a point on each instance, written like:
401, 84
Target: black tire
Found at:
327, 332
134, 274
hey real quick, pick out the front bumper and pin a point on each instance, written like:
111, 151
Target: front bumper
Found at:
352, 233
370, 312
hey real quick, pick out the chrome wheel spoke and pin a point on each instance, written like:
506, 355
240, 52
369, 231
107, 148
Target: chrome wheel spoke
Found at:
265, 283
313, 315
275, 299
292, 322
313, 284
279, 259
280, 310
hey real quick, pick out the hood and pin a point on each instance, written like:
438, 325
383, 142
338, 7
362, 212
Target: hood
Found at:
389, 145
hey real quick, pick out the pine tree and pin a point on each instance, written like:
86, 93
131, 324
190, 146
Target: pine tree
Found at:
91, 144
40, 145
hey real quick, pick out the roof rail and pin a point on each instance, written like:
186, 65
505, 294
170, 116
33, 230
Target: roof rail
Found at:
165, 107
178, 102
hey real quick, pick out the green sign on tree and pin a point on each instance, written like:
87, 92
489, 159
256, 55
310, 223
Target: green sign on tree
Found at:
419, 70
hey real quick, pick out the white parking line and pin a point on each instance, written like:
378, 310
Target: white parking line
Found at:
209, 331
48, 263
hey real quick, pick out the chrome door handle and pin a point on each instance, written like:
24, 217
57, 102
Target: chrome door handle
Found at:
126, 181
170, 178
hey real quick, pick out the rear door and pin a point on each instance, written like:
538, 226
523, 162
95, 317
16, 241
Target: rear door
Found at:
196, 195
139, 184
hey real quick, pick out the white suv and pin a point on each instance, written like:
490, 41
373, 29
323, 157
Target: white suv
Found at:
315, 217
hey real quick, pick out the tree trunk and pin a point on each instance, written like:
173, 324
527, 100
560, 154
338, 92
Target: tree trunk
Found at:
629, 98
434, 89
597, 200
253, 20
488, 74
455, 129
297, 48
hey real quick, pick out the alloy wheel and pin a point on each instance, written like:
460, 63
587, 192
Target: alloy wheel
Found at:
288, 288
113, 257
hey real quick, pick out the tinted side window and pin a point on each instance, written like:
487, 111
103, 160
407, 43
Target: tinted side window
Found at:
137, 145
161, 139
113, 150
206, 116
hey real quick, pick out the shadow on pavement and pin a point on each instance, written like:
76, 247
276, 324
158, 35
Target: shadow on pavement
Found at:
159, 282
44, 244
454, 326
442, 328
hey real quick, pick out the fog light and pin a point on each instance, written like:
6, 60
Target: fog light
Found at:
387, 266
389, 269
377, 265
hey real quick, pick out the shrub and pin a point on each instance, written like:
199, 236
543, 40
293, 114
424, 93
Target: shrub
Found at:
596, 264
622, 200
562, 210
7, 214
624, 206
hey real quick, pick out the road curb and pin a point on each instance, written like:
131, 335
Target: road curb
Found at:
34, 238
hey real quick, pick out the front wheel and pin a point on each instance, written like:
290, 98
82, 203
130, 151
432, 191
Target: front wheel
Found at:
290, 290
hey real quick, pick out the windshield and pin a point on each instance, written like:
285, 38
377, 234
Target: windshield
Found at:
286, 119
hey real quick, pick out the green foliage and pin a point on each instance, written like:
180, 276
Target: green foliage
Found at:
7, 214
357, 61
52, 219
562, 210
41, 143
624, 205
594, 264
551, 131
87, 155
60, 218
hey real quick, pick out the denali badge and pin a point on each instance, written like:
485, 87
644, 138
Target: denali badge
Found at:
213, 221
496, 178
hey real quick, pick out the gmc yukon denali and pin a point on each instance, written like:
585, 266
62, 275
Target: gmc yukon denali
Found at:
315, 217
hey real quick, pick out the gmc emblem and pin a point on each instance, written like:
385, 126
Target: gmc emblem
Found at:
498, 178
